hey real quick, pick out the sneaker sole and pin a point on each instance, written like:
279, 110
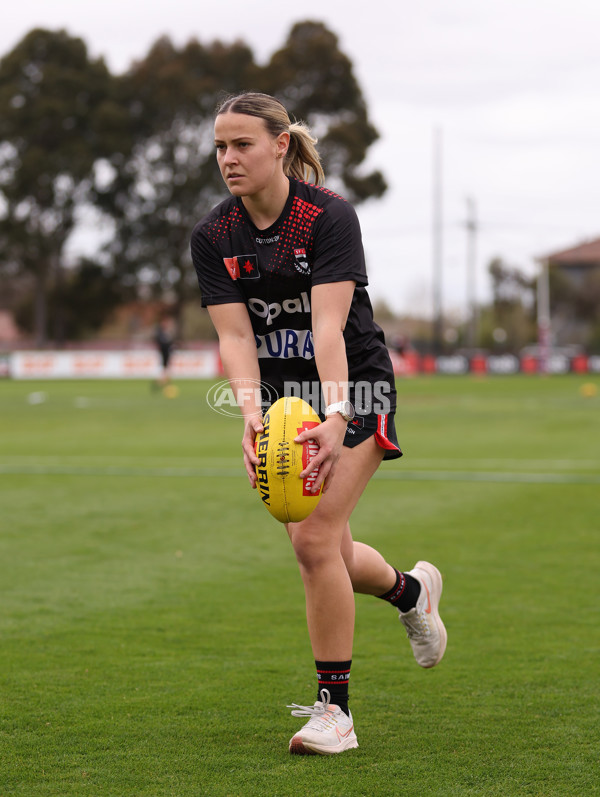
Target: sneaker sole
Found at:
298, 747
435, 594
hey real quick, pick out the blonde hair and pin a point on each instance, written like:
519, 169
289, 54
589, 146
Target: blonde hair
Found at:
302, 158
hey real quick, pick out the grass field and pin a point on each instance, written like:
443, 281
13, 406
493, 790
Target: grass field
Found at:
152, 623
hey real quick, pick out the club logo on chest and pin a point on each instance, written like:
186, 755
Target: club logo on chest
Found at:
301, 261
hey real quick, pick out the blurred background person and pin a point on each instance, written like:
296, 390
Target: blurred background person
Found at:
165, 338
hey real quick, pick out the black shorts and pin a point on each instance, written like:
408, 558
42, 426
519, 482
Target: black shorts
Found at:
382, 426
375, 415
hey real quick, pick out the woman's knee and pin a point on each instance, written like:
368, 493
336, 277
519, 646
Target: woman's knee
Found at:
313, 545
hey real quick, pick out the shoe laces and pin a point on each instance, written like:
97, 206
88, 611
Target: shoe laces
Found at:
320, 714
416, 624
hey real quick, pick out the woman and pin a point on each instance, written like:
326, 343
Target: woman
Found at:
164, 337
281, 268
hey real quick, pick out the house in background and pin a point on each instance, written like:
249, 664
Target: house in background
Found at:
578, 262
574, 282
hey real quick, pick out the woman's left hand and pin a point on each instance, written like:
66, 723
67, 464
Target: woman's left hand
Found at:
252, 427
329, 436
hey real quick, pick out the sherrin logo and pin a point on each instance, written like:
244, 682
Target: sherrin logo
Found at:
262, 474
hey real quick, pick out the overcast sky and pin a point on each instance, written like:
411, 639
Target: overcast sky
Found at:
512, 86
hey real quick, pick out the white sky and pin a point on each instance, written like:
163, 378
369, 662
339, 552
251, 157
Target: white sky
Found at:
513, 86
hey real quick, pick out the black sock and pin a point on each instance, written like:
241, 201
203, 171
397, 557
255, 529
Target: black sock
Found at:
334, 676
405, 592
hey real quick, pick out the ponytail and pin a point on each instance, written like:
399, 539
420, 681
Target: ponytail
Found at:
302, 158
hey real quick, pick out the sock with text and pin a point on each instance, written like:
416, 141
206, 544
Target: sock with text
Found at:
334, 676
405, 592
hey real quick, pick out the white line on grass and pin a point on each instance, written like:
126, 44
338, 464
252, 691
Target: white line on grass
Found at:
469, 464
513, 463
490, 476
208, 472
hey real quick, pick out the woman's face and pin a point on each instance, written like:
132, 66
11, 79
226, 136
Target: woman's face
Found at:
250, 159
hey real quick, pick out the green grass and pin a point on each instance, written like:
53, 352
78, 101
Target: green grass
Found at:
152, 623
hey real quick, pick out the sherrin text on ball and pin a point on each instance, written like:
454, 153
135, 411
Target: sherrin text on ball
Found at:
287, 497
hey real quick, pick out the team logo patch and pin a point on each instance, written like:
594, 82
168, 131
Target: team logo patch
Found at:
357, 423
243, 267
301, 261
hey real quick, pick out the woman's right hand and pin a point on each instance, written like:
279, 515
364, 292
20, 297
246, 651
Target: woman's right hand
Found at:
251, 429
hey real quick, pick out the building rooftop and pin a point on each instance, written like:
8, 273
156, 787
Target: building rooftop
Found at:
586, 253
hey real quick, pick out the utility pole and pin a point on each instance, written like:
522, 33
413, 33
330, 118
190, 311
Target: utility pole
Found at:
472, 313
437, 241
543, 315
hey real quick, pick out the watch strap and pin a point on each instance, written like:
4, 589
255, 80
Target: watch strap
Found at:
341, 407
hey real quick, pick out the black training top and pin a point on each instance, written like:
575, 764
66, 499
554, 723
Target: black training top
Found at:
316, 240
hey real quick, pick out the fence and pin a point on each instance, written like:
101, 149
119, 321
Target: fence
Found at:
204, 363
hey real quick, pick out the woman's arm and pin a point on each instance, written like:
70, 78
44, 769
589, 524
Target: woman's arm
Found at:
237, 348
330, 304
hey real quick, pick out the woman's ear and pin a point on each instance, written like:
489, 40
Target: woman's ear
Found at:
282, 144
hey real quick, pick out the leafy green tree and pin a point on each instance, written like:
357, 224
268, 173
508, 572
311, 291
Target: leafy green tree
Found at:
59, 118
315, 81
513, 307
138, 149
87, 295
171, 179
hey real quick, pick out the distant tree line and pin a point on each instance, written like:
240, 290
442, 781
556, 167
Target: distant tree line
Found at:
508, 321
131, 155
574, 308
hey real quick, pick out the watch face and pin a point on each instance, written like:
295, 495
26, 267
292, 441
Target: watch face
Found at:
348, 411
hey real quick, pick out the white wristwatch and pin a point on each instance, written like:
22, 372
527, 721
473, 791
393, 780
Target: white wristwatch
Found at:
345, 409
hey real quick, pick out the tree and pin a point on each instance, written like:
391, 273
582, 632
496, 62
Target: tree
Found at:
171, 179
513, 307
59, 117
87, 296
315, 81
138, 149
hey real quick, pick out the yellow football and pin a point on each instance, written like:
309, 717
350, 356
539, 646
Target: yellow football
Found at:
287, 497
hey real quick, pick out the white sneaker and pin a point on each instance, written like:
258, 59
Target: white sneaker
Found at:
423, 624
328, 730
